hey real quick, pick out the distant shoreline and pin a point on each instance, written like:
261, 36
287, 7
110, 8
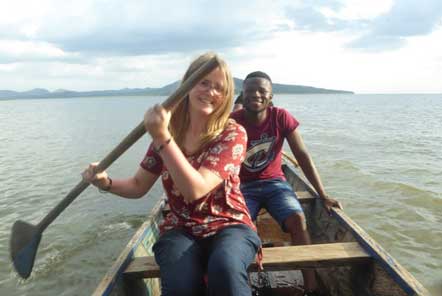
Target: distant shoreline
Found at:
149, 95
137, 95
41, 93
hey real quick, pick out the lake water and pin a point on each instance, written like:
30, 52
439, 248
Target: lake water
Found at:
380, 155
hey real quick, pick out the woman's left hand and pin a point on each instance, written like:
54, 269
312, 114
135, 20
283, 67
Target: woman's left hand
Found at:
156, 122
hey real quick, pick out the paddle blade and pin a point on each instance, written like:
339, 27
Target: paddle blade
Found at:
24, 242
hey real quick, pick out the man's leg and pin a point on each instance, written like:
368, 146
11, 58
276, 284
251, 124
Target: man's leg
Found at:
253, 192
175, 252
297, 227
285, 208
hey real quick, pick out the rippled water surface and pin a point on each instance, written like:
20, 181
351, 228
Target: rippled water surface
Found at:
381, 155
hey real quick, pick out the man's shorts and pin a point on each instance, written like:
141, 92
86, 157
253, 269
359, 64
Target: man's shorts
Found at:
275, 195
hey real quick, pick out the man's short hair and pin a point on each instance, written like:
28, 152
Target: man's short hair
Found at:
258, 74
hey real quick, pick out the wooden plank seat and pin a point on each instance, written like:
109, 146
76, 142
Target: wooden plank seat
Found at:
277, 259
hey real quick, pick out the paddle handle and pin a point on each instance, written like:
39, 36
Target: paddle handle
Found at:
290, 158
169, 104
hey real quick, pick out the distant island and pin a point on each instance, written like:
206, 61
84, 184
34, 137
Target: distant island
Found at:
148, 91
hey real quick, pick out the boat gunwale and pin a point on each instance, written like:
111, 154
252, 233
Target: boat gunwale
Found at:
399, 274
110, 279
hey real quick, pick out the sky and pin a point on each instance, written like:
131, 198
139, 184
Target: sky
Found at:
366, 46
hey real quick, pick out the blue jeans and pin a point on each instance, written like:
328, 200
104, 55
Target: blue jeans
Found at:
225, 256
275, 195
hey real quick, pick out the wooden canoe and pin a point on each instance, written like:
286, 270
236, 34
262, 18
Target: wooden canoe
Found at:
346, 260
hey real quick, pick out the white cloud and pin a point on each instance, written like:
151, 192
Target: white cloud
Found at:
405, 18
323, 60
362, 9
16, 50
361, 45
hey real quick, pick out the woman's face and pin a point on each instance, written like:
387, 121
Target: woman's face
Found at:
208, 94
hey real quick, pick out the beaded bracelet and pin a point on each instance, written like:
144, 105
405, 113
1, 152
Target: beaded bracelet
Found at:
157, 150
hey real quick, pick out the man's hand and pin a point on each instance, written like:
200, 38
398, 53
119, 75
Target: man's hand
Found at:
330, 203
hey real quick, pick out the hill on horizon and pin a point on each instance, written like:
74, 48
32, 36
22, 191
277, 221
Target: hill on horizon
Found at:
148, 91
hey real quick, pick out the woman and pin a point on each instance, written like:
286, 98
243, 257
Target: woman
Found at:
198, 152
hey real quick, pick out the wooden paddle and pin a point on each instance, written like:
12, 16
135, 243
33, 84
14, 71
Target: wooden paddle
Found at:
25, 237
290, 158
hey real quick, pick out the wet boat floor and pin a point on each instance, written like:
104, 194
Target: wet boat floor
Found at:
276, 283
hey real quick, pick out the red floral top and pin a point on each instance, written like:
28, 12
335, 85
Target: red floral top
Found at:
224, 205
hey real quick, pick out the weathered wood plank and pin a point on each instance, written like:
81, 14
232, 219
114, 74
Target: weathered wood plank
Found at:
278, 258
143, 267
305, 197
312, 256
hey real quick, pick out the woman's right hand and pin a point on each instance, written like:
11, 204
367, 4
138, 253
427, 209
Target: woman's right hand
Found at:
100, 180
156, 122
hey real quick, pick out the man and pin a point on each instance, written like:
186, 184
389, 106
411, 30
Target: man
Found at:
238, 104
262, 181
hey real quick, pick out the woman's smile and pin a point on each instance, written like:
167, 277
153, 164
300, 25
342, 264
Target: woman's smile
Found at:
206, 101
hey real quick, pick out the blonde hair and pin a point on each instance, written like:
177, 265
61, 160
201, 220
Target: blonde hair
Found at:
218, 120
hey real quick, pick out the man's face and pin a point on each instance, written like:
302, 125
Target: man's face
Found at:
257, 94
